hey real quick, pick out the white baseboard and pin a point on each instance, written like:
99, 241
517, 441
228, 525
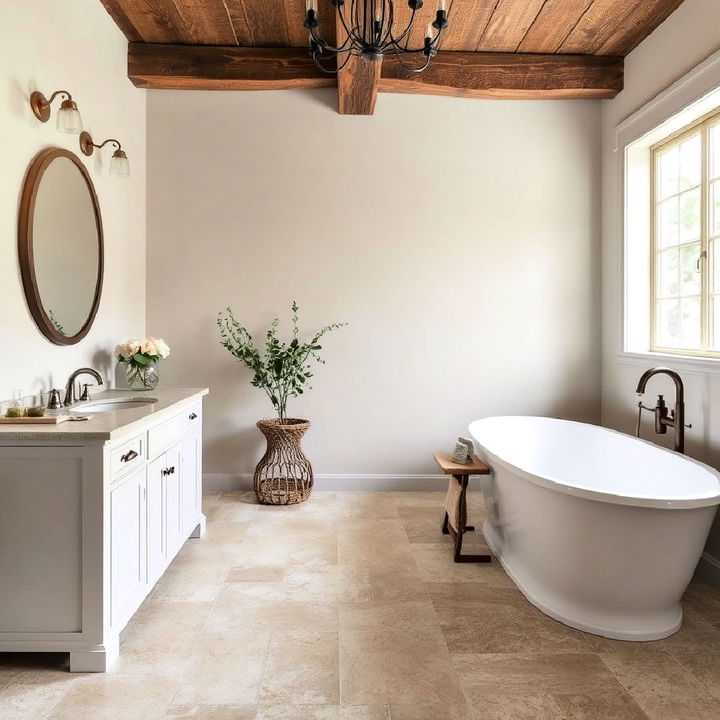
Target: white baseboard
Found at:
708, 570
377, 483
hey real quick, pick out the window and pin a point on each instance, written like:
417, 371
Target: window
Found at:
685, 229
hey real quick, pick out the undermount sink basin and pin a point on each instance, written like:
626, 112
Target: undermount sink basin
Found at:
113, 405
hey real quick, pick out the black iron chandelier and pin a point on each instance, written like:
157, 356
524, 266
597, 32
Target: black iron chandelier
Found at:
371, 33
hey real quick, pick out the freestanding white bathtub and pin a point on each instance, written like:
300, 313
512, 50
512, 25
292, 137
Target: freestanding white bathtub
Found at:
598, 529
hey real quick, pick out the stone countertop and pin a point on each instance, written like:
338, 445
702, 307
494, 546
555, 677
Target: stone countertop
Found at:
104, 426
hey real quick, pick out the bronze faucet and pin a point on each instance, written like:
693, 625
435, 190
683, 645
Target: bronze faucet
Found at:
70, 393
663, 418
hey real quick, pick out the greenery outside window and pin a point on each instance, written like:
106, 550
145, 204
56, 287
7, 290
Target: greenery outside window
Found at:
685, 246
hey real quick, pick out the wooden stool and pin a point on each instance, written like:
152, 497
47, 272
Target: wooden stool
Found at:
455, 522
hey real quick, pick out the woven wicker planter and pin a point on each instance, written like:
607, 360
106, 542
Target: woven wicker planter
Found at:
284, 475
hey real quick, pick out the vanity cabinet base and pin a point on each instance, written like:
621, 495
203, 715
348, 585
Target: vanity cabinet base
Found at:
86, 530
99, 659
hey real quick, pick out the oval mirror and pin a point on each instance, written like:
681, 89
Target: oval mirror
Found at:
60, 244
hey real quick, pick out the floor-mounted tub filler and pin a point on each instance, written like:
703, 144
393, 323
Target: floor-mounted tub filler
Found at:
598, 529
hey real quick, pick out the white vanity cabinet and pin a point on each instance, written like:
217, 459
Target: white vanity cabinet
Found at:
90, 518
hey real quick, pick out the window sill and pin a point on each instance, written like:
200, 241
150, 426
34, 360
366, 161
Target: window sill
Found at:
686, 363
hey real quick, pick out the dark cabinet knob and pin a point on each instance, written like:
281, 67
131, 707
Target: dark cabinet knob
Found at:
193, 416
128, 456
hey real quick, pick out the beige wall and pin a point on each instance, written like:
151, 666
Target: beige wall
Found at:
70, 45
676, 47
459, 238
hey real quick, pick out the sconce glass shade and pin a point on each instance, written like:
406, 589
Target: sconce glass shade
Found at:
68, 118
119, 164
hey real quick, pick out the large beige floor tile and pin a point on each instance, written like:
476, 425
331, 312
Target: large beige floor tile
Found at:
256, 573
422, 524
704, 600
323, 712
319, 549
231, 507
410, 616
276, 524
367, 506
531, 674
111, 695
435, 563
225, 669
663, 687
616, 705
190, 579
211, 712
34, 693
704, 665
255, 550
301, 670
478, 618
372, 542
408, 667
421, 499
220, 537
263, 606
158, 641
497, 706
398, 582
331, 583
430, 712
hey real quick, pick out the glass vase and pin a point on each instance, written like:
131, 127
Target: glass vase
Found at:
143, 377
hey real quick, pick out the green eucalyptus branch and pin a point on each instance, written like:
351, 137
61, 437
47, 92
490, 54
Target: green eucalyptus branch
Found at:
285, 368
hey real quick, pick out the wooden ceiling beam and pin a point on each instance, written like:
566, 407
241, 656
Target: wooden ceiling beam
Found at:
463, 74
204, 67
509, 75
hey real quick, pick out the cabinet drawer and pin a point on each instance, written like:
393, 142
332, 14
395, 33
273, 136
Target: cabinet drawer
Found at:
128, 455
164, 436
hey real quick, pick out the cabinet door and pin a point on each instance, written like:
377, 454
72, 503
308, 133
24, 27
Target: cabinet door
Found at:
190, 482
127, 547
156, 535
173, 512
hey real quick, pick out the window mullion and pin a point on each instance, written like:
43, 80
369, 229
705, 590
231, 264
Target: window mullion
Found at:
705, 310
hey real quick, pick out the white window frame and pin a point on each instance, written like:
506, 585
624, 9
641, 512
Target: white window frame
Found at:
689, 98
702, 128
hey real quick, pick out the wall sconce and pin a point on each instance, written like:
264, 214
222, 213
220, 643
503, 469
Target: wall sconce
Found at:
119, 164
68, 116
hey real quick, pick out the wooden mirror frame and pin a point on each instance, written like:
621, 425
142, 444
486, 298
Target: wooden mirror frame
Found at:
31, 184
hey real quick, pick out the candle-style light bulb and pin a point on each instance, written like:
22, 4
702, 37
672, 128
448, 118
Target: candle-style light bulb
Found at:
430, 32
378, 10
311, 5
441, 5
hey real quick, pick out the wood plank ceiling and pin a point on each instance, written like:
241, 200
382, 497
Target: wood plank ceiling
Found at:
493, 48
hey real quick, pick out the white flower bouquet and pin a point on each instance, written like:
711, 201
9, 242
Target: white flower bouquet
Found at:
142, 356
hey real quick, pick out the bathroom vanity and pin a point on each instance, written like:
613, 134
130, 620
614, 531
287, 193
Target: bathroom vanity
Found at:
91, 515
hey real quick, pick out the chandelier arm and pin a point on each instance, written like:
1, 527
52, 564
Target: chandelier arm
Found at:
433, 44
336, 69
326, 46
399, 52
402, 35
387, 37
341, 15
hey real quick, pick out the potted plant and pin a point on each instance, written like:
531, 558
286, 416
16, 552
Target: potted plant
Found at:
284, 475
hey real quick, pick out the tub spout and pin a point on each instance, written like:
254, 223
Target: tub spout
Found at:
664, 418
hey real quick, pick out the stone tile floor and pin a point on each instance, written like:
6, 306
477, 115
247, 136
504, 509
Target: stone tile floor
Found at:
349, 607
